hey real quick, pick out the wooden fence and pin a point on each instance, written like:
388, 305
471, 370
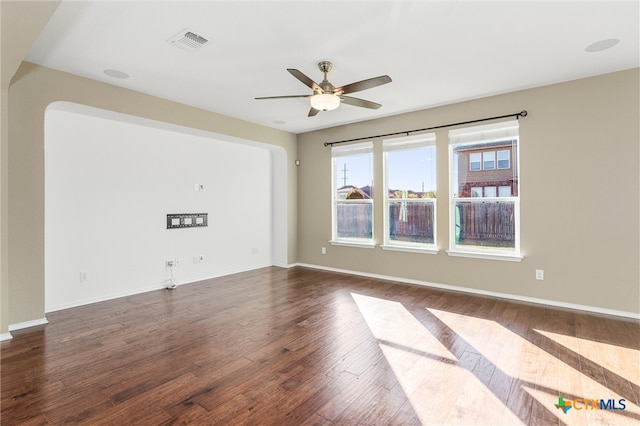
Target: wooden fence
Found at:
411, 222
478, 223
354, 220
485, 223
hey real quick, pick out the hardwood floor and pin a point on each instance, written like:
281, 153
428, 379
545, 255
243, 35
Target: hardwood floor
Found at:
304, 347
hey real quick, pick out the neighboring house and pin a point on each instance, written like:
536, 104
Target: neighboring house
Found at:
487, 169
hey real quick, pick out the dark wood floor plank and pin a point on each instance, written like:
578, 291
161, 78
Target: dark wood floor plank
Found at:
297, 346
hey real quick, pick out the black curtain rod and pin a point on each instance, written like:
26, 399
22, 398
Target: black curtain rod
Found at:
522, 113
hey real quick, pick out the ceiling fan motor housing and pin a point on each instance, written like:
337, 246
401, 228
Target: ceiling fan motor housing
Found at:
327, 97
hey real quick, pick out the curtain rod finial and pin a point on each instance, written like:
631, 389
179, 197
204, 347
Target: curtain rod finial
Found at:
523, 113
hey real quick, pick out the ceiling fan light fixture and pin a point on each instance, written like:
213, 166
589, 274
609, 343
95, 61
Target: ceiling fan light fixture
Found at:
324, 101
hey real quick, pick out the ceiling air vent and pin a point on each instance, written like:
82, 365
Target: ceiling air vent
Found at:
188, 40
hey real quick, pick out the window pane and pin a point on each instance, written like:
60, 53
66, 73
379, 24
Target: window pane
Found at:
463, 180
489, 160
479, 223
411, 222
410, 179
354, 220
504, 159
353, 173
353, 181
411, 173
485, 224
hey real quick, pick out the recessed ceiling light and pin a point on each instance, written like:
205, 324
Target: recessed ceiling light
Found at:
602, 45
279, 122
116, 74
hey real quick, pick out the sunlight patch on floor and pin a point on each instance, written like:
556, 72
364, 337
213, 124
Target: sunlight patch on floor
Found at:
390, 322
421, 364
624, 362
548, 377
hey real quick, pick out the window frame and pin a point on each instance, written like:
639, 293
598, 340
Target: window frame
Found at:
355, 149
495, 132
407, 143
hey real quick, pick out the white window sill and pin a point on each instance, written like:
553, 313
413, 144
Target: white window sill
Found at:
491, 256
352, 244
425, 250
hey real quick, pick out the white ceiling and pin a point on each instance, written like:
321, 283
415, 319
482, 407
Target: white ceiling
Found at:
435, 52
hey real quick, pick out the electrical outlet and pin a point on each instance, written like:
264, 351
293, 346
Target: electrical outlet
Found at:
254, 250
170, 263
323, 250
198, 259
84, 277
539, 274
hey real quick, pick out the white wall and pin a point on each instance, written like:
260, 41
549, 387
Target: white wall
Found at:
108, 187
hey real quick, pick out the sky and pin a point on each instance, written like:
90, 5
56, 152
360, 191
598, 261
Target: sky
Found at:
407, 170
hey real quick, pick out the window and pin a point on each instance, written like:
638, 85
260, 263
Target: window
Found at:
474, 161
489, 160
353, 194
409, 192
490, 191
485, 207
504, 159
504, 191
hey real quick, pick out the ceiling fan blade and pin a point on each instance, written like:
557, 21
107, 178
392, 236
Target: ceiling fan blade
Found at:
312, 112
359, 102
305, 80
364, 84
284, 97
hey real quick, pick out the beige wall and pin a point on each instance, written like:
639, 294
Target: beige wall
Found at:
579, 177
21, 23
31, 91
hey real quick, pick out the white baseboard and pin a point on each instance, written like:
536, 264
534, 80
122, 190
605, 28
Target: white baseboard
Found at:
27, 324
546, 302
5, 336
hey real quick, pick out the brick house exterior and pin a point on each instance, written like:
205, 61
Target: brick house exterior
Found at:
476, 180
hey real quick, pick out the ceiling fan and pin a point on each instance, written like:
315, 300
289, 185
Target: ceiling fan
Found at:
327, 97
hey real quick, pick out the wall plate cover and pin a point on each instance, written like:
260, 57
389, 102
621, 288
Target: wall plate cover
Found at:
186, 220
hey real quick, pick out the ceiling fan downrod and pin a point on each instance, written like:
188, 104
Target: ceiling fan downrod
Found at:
325, 68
